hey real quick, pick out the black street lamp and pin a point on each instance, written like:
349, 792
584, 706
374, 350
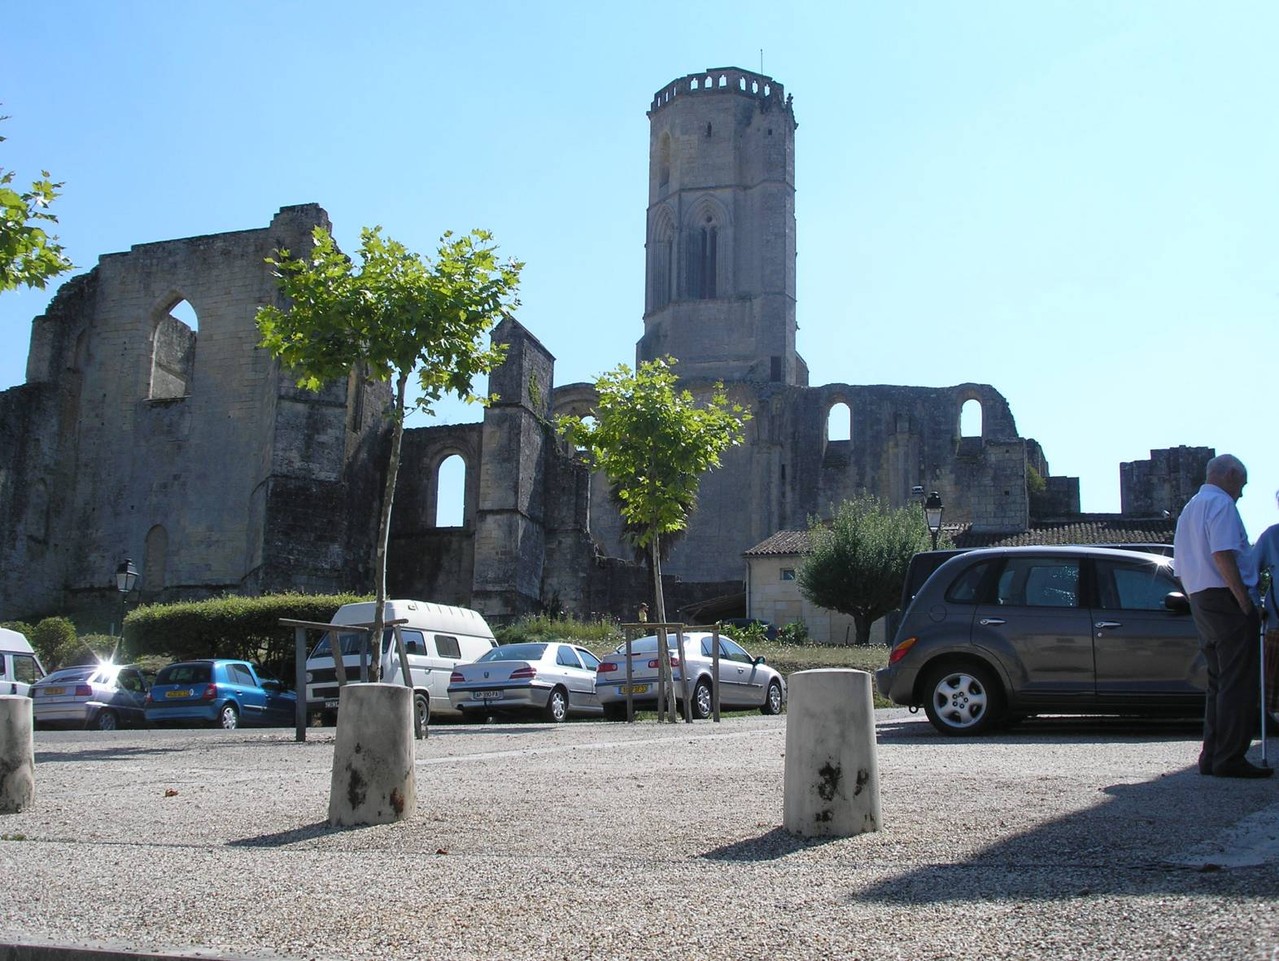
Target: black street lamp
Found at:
932, 515
125, 579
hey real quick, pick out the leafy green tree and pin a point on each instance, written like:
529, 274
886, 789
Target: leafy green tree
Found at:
857, 562
29, 256
392, 315
56, 641
654, 442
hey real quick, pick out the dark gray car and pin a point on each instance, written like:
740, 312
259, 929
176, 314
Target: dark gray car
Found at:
1008, 632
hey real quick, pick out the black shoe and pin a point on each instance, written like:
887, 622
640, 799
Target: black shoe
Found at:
1244, 769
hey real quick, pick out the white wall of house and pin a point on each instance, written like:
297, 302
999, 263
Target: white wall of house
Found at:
772, 594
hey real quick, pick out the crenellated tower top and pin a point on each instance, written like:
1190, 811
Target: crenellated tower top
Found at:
744, 83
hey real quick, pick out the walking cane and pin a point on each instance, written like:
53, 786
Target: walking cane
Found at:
1264, 761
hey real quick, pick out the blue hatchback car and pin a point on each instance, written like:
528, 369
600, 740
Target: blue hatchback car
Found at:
224, 693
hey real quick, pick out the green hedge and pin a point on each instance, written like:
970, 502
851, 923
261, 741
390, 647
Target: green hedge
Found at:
247, 628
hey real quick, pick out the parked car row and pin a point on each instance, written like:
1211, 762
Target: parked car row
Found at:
556, 679
218, 691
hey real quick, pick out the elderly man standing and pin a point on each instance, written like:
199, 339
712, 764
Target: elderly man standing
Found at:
1210, 555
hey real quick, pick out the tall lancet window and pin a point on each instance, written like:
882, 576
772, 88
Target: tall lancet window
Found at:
707, 256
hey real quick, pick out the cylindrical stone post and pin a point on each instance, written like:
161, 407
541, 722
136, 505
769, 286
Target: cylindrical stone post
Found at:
831, 781
373, 779
17, 755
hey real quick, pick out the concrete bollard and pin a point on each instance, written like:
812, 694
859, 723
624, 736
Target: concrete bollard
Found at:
831, 781
373, 778
17, 755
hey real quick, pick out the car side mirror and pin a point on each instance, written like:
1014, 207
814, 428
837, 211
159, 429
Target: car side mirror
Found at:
760, 660
1177, 602
272, 685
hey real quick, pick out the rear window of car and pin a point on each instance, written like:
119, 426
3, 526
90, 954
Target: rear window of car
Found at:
515, 652
184, 674
69, 674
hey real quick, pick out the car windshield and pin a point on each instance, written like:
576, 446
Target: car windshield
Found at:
184, 674
352, 644
515, 652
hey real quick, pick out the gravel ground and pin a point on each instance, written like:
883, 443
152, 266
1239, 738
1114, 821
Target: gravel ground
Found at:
1057, 839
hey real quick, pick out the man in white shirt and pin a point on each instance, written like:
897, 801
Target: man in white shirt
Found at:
1210, 551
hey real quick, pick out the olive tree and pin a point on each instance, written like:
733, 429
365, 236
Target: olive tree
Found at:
654, 441
857, 561
393, 315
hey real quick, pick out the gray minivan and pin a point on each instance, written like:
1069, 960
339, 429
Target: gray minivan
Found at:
1002, 633
19, 666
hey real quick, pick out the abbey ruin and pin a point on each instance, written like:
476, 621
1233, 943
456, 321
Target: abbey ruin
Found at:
183, 447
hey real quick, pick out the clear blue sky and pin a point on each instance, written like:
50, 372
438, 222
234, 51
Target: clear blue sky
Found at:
1072, 201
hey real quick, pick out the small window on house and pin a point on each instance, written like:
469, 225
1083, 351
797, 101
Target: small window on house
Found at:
788, 573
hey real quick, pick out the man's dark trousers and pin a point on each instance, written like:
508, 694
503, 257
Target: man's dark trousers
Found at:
1229, 639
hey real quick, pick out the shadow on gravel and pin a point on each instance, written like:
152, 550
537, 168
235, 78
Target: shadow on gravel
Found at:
103, 754
284, 838
777, 843
1049, 730
1119, 847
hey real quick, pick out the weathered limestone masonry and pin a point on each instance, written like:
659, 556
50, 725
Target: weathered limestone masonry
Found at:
1161, 485
184, 449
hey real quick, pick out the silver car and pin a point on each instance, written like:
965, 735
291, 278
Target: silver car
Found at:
99, 696
551, 678
1003, 633
744, 681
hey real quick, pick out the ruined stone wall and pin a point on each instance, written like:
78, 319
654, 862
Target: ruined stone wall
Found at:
181, 448
1148, 488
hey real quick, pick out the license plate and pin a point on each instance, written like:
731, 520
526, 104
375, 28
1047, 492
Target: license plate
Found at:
486, 695
53, 691
633, 689
178, 693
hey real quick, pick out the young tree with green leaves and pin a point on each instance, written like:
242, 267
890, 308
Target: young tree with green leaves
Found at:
857, 562
654, 442
29, 256
390, 316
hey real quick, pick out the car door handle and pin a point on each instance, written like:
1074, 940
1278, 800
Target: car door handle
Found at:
991, 621
1102, 625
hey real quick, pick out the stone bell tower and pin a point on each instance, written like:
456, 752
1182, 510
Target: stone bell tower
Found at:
720, 245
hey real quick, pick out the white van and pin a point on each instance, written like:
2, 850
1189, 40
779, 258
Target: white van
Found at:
19, 666
436, 637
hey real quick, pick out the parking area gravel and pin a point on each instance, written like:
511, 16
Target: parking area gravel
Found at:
1059, 838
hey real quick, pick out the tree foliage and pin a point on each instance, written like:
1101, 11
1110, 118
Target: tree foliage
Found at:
390, 316
654, 442
857, 562
29, 255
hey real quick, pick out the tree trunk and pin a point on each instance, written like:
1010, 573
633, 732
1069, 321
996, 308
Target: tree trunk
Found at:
663, 660
384, 526
863, 622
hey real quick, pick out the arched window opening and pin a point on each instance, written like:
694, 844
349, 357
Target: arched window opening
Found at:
970, 418
173, 352
839, 422
664, 160
154, 559
450, 492
704, 257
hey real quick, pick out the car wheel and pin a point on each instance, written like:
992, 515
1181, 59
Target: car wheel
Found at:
615, 711
421, 711
557, 705
702, 699
773, 700
106, 721
963, 699
228, 717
